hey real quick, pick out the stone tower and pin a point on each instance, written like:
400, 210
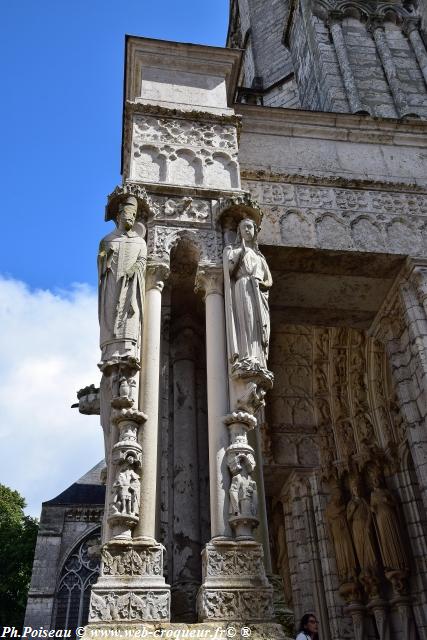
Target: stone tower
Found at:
263, 326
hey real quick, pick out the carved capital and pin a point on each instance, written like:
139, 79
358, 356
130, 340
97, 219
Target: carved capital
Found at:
375, 23
410, 25
334, 17
156, 275
209, 279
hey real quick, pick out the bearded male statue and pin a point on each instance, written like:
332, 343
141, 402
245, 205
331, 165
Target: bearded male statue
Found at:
121, 268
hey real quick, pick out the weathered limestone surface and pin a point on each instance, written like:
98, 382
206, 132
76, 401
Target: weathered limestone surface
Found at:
305, 233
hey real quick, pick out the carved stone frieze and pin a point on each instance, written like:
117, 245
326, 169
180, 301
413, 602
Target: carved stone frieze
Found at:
182, 151
237, 604
131, 561
129, 606
184, 209
342, 218
162, 239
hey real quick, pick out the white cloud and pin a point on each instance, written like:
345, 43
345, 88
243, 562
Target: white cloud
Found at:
48, 350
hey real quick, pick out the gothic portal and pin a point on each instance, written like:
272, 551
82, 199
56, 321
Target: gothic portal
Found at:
263, 335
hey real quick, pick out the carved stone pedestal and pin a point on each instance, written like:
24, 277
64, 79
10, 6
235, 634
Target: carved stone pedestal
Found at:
235, 586
131, 585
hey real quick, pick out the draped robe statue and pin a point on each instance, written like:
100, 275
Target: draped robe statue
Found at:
359, 517
247, 280
340, 534
390, 541
121, 268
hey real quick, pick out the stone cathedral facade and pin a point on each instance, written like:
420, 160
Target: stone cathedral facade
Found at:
263, 334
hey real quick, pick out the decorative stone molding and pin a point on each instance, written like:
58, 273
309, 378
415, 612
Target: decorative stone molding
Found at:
162, 239
337, 218
178, 150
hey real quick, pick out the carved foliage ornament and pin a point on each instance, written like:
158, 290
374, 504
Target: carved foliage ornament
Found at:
130, 606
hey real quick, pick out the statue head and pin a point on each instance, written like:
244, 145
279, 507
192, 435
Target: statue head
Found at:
247, 231
128, 209
355, 486
375, 476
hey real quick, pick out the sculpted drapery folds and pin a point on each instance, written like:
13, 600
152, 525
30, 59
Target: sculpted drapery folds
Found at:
247, 280
121, 267
336, 517
390, 541
359, 516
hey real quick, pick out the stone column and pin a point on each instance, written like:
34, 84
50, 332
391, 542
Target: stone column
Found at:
411, 28
130, 587
234, 585
386, 56
210, 281
334, 23
186, 574
149, 398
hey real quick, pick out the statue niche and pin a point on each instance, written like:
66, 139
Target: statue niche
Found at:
121, 267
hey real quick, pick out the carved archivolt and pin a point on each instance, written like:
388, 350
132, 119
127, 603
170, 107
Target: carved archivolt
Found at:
332, 399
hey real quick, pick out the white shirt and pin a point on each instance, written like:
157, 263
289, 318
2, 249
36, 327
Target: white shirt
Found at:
302, 636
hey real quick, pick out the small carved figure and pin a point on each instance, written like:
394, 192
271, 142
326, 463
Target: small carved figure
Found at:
389, 536
247, 280
127, 487
359, 517
340, 535
243, 490
121, 268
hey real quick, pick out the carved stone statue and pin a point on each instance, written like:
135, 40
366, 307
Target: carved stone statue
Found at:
390, 541
359, 517
340, 535
121, 268
247, 280
126, 491
243, 490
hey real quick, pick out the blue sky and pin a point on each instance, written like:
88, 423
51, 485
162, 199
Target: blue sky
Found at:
60, 118
61, 68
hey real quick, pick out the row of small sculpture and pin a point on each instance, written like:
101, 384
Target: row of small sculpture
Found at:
361, 525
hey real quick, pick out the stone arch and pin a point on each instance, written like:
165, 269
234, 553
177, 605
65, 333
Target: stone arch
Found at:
402, 237
149, 165
221, 171
332, 233
185, 168
296, 230
366, 234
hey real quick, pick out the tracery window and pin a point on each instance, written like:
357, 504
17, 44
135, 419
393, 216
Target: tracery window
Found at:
79, 573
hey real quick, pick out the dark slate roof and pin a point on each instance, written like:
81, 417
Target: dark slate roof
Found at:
86, 490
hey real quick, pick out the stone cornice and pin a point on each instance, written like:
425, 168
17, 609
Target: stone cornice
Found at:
331, 180
333, 126
139, 106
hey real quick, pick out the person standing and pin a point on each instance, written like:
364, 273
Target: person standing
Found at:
308, 628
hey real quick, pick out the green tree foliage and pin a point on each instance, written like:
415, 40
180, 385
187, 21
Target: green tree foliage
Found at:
18, 534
